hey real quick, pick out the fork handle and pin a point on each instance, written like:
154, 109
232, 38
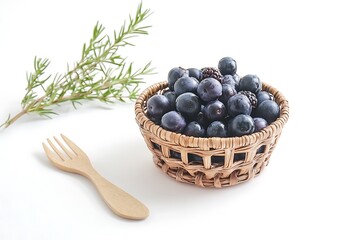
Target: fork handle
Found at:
119, 201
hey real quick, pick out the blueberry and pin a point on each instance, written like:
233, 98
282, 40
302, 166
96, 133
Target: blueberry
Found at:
173, 121
202, 120
156, 120
157, 106
241, 125
194, 129
216, 129
186, 84
268, 110
227, 66
227, 92
188, 105
263, 95
260, 123
174, 74
209, 89
236, 78
239, 104
250, 83
228, 79
215, 110
171, 96
195, 73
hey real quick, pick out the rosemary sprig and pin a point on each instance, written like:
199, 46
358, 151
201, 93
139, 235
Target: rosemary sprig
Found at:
101, 73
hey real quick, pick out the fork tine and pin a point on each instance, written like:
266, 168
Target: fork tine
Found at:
70, 154
60, 154
50, 154
73, 146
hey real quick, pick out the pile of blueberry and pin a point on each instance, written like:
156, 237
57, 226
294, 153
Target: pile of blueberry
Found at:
213, 102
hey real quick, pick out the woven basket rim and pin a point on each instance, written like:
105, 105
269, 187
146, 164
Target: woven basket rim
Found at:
184, 140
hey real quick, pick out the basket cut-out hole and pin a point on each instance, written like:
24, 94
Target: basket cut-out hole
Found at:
261, 149
217, 159
156, 146
257, 168
239, 157
195, 159
176, 155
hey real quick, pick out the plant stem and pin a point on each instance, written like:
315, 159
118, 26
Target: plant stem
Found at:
100, 74
10, 121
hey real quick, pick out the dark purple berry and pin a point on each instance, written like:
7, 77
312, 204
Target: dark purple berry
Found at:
156, 120
188, 104
264, 95
195, 73
202, 120
215, 110
268, 110
171, 96
228, 79
241, 125
157, 106
174, 74
227, 66
260, 123
194, 129
250, 83
209, 89
185, 84
239, 104
227, 92
173, 121
216, 129
236, 78
251, 96
210, 72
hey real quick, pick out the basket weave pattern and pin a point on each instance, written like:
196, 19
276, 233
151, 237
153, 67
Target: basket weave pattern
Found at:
242, 158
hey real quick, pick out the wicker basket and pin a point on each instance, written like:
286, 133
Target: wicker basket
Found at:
215, 162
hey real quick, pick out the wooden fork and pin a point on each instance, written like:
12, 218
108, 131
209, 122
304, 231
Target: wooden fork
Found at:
73, 159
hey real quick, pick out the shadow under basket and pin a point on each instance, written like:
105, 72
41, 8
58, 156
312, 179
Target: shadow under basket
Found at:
209, 162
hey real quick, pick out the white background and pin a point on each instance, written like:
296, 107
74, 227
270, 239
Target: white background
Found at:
307, 49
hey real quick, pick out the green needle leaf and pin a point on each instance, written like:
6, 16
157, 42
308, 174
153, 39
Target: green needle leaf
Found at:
101, 73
